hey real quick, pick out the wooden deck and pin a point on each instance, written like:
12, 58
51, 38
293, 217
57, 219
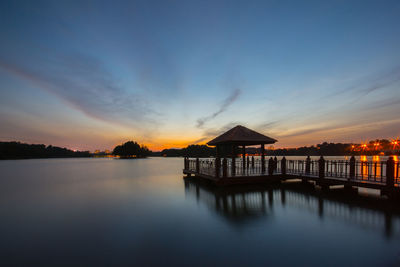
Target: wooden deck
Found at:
383, 176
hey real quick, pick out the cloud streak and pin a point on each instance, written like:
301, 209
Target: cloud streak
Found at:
85, 84
224, 106
371, 83
211, 133
345, 128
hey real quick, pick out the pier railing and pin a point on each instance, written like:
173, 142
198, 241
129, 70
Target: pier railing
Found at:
379, 172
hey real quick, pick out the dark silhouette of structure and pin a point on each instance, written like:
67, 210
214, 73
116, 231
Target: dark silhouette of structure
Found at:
239, 136
323, 173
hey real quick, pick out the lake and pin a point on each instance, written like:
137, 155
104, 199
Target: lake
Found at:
101, 211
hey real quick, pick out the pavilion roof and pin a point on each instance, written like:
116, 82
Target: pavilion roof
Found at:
241, 135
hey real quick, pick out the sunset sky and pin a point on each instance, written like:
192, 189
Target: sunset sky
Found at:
91, 74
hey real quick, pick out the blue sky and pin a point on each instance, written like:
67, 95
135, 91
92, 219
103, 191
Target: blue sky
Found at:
93, 74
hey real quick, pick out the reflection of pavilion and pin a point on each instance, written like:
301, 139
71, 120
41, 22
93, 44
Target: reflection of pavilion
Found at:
237, 205
240, 205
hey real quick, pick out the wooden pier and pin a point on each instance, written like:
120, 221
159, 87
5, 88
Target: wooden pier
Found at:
383, 175
227, 169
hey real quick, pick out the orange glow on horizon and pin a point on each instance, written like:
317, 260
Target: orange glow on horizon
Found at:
167, 144
178, 142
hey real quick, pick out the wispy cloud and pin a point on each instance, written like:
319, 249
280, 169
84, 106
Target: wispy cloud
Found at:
302, 132
224, 106
267, 125
85, 84
371, 83
200, 140
384, 126
211, 133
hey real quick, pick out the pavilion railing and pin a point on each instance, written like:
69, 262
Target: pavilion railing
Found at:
350, 170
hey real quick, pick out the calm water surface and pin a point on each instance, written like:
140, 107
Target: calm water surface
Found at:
142, 212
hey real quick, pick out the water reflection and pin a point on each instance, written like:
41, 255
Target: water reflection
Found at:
237, 205
240, 205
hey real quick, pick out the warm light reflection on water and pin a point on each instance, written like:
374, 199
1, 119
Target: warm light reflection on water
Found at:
141, 212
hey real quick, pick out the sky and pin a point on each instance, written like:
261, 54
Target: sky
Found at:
90, 75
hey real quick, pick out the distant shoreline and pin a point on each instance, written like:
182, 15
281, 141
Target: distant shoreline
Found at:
16, 150
238, 157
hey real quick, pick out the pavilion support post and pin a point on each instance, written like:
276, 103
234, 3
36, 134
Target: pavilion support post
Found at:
217, 161
270, 166
244, 158
252, 162
262, 159
233, 160
248, 162
224, 168
308, 164
283, 166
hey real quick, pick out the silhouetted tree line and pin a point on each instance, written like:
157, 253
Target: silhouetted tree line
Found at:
324, 149
374, 147
17, 150
131, 149
200, 151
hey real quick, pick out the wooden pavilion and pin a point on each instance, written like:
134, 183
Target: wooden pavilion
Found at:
241, 136
225, 170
